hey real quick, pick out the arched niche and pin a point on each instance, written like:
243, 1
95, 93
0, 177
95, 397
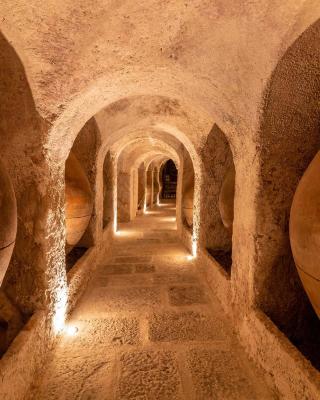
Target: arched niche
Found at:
187, 198
289, 140
24, 273
217, 197
108, 182
80, 181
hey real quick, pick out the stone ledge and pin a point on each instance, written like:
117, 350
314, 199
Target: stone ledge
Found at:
82, 272
218, 279
292, 373
24, 357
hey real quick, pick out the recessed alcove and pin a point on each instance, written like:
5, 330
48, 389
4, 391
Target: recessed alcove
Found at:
290, 140
79, 193
218, 198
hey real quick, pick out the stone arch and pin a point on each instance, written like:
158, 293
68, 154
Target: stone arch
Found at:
99, 95
132, 127
130, 155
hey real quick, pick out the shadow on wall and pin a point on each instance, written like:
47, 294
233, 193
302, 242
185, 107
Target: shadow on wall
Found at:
21, 128
218, 198
290, 138
80, 174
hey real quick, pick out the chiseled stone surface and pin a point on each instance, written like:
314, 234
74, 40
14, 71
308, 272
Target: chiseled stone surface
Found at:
144, 268
120, 298
186, 295
170, 278
220, 374
149, 375
184, 325
76, 377
116, 269
149, 331
132, 259
103, 333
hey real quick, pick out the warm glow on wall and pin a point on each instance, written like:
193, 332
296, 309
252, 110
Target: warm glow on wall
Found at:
194, 247
194, 251
115, 221
60, 309
145, 204
70, 330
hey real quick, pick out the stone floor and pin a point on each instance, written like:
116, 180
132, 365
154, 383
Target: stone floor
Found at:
148, 327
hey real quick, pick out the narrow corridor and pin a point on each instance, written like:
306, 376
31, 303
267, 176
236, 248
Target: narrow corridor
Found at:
148, 327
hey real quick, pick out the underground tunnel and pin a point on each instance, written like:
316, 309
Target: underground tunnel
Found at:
159, 200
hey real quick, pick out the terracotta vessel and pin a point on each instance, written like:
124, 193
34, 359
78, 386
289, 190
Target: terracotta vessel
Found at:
226, 199
11, 322
305, 231
8, 217
79, 201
